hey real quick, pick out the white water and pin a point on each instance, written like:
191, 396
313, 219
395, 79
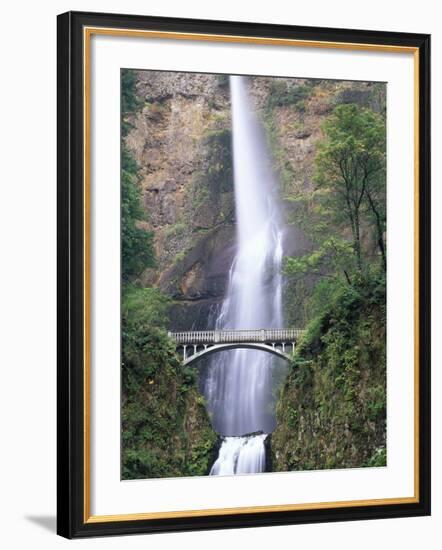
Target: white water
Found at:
240, 455
239, 383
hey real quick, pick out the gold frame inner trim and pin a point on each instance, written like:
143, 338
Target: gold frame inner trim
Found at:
87, 34
202, 37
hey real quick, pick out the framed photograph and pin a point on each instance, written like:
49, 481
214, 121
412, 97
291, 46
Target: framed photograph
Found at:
243, 274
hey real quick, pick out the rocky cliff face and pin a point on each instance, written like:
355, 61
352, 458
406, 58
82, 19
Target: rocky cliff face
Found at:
181, 142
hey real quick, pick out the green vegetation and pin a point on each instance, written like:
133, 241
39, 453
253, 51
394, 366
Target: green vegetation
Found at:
223, 80
282, 165
136, 243
210, 194
332, 408
219, 160
130, 101
350, 169
282, 94
166, 431
346, 211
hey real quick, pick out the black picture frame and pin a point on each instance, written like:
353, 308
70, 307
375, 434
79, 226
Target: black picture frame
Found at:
72, 392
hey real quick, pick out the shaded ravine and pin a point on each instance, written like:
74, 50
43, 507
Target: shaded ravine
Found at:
239, 382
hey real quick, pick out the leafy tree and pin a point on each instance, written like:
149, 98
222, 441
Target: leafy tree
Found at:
130, 101
377, 209
136, 243
350, 167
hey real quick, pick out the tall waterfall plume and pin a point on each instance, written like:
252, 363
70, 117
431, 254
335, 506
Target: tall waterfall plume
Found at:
239, 382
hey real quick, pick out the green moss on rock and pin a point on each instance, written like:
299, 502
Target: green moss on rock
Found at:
210, 195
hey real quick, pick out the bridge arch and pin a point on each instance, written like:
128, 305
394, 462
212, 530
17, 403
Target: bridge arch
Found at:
188, 360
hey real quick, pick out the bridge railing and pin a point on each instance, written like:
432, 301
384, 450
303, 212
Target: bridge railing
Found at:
232, 336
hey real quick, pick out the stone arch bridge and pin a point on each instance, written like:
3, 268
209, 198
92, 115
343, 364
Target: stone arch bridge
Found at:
193, 345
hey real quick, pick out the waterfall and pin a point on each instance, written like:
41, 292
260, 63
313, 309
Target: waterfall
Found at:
240, 455
239, 382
